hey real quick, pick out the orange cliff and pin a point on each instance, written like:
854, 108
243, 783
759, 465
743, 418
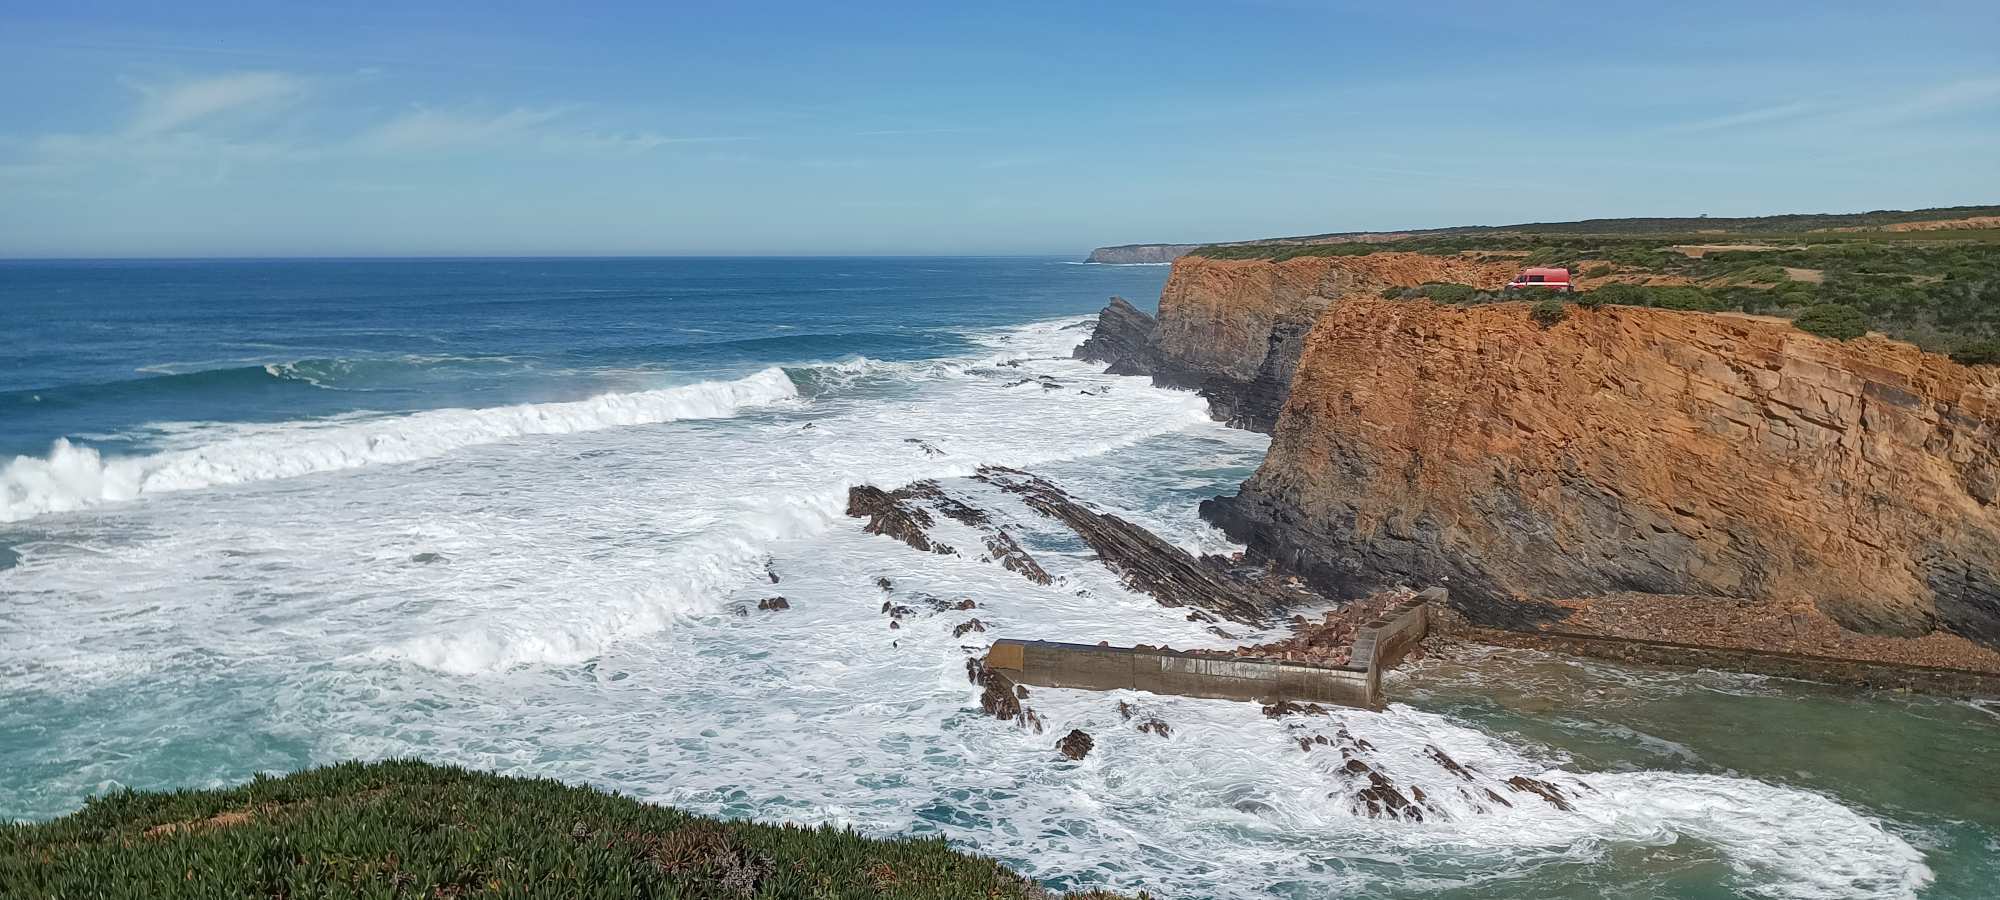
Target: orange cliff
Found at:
1233, 328
1620, 450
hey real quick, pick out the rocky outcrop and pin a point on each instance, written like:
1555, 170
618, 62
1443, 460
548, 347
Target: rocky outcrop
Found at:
1127, 254
1628, 449
1076, 744
1233, 329
1123, 337
1149, 565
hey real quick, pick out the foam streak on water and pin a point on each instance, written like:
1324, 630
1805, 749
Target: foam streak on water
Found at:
549, 590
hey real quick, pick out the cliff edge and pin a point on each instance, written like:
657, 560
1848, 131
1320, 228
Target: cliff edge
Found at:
1233, 329
1621, 449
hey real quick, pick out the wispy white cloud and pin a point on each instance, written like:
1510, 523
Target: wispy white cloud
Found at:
1936, 100
172, 107
1746, 117
543, 129
209, 127
433, 129
1931, 102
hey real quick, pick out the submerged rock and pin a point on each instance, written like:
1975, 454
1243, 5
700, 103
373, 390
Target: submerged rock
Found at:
1288, 708
1003, 549
1076, 744
999, 697
968, 627
773, 604
1542, 789
891, 513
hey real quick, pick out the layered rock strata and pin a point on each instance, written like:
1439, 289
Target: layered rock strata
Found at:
1636, 450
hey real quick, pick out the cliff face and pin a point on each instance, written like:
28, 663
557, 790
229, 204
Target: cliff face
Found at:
1622, 449
1233, 328
1139, 253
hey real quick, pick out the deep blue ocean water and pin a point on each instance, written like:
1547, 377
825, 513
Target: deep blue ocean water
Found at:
518, 514
100, 348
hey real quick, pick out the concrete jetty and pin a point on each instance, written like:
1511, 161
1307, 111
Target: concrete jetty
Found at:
1378, 646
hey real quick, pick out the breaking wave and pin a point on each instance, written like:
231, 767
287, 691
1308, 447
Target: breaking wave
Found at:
74, 476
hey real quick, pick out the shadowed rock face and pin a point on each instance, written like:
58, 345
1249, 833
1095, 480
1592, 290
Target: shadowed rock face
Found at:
1233, 329
1632, 450
1123, 337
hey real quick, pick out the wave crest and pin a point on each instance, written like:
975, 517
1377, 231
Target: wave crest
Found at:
74, 476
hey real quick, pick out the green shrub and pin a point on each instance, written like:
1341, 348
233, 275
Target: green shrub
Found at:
408, 829
1621, 294
1589, 299
1449, 293
1392, 293
1547, 313
1684, 298
1977, 353
1833, 320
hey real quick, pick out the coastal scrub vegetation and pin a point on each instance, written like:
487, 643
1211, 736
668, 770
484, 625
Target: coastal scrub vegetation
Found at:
409, 829
1547, 313
1938, 289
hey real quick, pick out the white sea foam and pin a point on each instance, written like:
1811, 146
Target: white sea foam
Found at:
562, 608
72, 477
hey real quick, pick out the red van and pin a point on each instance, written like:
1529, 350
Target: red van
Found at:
1553, 279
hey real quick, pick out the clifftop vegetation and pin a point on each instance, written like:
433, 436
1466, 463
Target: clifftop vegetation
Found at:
1931, 277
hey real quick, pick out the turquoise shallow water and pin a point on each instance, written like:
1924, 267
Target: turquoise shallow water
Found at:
502, 513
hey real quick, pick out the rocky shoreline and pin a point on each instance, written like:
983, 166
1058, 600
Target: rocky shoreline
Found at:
1629, 475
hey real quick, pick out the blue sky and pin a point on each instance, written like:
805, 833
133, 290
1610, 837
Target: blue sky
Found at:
220, 128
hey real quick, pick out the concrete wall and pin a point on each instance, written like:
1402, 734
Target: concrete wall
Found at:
1377, 646
1052, 664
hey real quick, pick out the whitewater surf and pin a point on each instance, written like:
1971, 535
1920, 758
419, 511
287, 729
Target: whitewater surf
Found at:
569, 587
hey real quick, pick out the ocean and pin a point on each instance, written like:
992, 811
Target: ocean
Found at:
518, 515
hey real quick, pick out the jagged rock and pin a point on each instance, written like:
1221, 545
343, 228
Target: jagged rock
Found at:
950, 506
1143, 561
926, 446
1002, 548
1541, 789
998, 696
1123, 337
1380, 798
1076, 744
883, 582
968, 627
773, 604
770, 570
1156, 726
1446, 762
1287, 708
964, 603
890, 513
